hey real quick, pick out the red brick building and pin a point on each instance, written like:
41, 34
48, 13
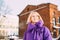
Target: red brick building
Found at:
49, 14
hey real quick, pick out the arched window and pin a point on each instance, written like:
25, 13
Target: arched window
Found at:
54, 21
58, 19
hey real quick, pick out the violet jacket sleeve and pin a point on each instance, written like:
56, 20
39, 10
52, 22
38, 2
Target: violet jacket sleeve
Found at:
47, 34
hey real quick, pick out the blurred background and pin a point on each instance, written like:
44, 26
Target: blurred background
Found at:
14, 13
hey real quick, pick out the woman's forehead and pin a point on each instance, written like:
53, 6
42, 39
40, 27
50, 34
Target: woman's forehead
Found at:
35, 14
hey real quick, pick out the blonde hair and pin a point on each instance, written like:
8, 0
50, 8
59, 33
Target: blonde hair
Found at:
31, 13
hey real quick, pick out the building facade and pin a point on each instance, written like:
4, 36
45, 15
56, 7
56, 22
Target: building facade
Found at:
49, 13
8, 26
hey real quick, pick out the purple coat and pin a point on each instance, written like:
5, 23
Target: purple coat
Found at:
37, 32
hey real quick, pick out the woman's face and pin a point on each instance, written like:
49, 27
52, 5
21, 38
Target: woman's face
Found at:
35, 18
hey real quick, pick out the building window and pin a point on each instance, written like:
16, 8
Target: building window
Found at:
53, 13
0, 25
21, 24
58, 19
27, 9
54, 21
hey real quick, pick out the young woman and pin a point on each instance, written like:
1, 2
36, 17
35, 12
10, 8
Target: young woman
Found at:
36, 30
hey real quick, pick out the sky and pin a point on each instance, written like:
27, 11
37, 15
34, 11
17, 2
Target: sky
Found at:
17, 6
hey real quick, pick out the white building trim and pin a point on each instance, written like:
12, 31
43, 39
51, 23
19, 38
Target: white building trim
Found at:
56, 27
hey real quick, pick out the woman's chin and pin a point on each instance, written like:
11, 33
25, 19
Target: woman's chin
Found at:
35, 21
